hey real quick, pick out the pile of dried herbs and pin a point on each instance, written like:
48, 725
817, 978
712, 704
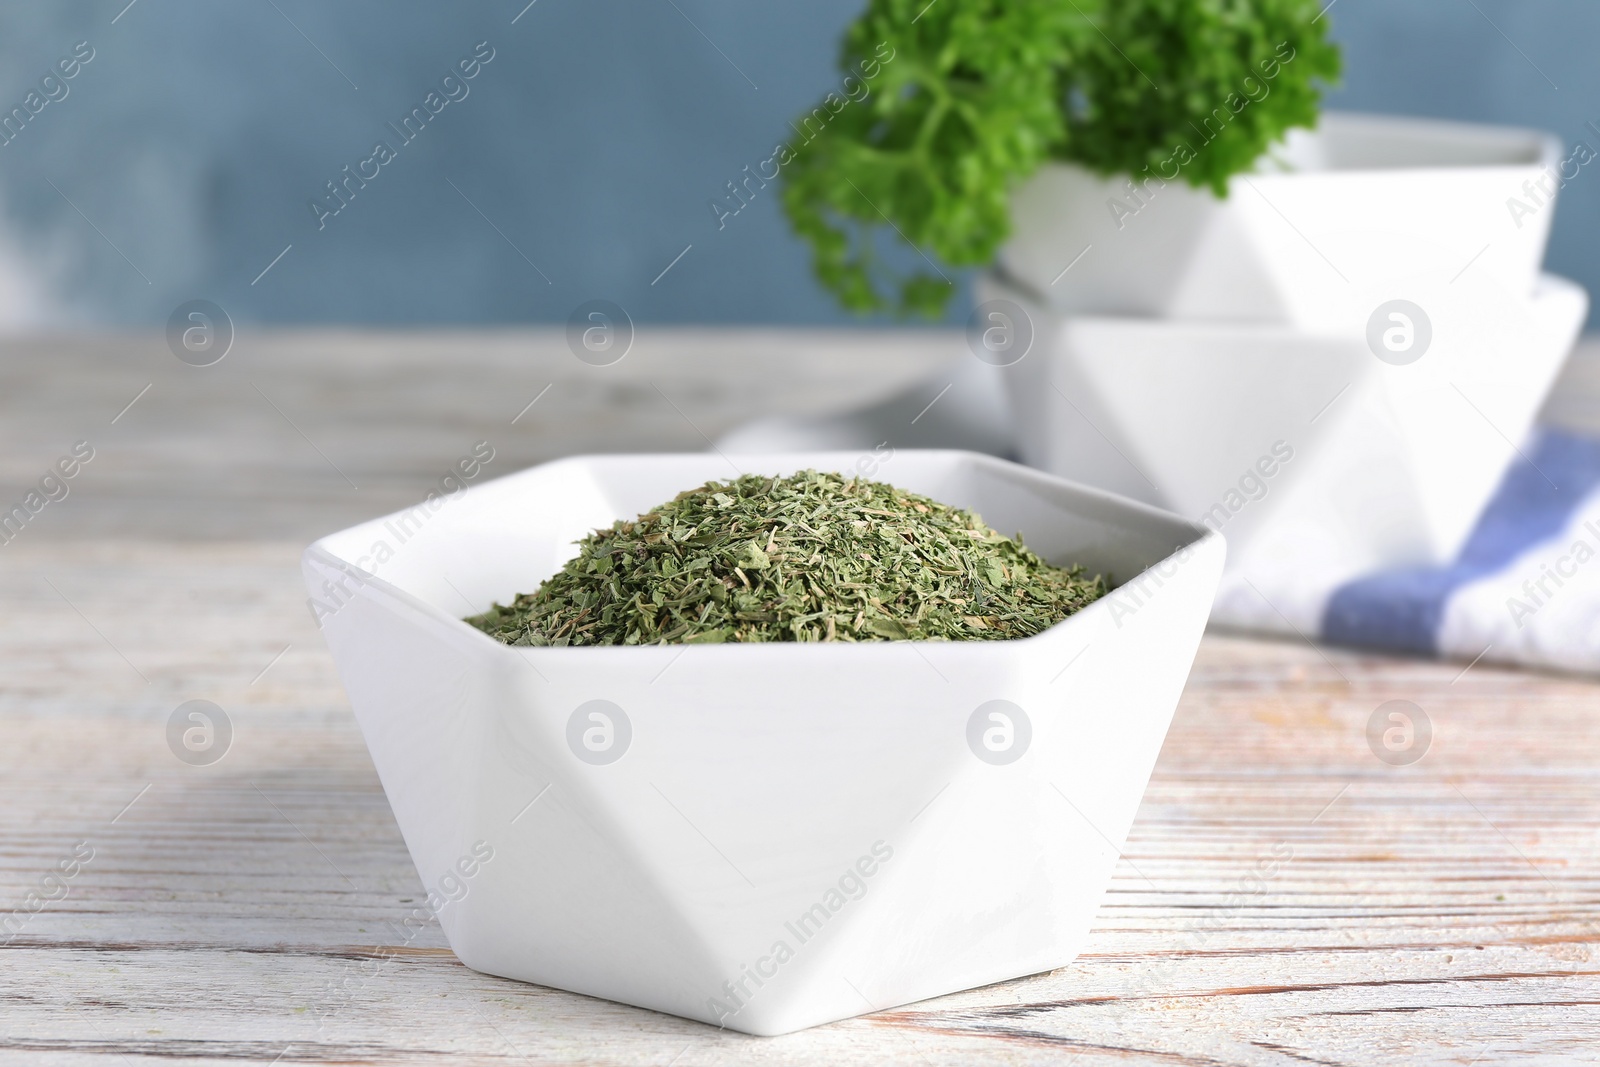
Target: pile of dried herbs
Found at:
811, 557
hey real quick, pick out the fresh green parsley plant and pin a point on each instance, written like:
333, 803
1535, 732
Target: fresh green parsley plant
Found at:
980, 93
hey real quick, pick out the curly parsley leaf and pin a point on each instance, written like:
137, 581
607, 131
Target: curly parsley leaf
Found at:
965, 98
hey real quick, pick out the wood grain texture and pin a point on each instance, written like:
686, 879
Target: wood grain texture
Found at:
296, 434
1284, 898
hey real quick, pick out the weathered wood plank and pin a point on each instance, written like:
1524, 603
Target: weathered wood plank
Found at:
1416, 913
298, 433
1285, 897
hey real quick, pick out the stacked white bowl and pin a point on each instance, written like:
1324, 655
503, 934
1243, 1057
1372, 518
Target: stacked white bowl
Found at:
1332, 366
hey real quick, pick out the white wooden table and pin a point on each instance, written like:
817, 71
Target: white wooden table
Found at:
1447, 912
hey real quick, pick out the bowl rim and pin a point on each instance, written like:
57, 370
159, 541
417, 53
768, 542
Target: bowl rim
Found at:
1201, 540
1545, 146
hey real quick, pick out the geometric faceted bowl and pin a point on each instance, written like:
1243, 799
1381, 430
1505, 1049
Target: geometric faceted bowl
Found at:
762, 837
1331, 222
1318, 459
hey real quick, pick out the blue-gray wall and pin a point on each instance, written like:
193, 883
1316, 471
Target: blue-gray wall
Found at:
193, 141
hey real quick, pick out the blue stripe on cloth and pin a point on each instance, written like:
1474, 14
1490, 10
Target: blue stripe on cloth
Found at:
1401, 609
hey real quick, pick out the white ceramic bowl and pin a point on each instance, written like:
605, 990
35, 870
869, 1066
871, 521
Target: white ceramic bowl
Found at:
1335, 221
1389, 464
792, 833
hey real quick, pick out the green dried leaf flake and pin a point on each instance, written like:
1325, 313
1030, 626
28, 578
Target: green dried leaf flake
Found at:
811, 557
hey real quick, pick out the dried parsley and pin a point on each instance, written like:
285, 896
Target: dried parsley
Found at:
811, 557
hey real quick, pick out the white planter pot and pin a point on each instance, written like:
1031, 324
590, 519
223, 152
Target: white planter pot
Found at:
1389, 464
822, 797
1335, 222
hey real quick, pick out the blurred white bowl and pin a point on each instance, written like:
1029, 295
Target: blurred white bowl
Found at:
824, 798
1387, 464
1333, 222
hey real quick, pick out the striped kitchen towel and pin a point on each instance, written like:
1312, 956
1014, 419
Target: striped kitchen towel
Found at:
1524, 590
